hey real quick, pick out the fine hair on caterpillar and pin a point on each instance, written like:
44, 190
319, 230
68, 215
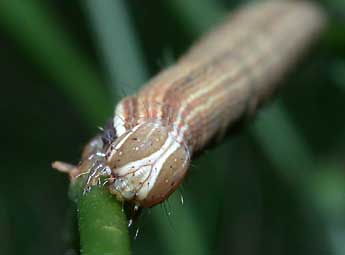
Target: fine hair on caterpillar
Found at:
144, 153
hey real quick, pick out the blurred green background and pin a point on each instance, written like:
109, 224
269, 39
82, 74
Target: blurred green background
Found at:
277, 187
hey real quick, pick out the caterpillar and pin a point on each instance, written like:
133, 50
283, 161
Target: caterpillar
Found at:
144, 152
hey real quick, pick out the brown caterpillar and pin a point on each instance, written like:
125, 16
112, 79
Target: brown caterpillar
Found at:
145, 152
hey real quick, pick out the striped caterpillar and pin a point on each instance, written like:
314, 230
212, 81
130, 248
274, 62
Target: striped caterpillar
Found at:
144, 154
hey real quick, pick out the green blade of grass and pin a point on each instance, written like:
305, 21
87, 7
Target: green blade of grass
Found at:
283, 145
32, 25
178, 228
118, 44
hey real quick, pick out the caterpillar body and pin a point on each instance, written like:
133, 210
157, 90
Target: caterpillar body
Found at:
144, 154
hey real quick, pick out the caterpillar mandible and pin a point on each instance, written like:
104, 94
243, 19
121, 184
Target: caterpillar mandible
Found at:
144, 153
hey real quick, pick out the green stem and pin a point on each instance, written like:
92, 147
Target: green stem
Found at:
102, 225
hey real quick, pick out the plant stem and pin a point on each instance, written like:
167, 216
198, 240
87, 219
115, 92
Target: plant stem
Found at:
102, 223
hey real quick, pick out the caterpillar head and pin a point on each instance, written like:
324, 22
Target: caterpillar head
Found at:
147, 164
